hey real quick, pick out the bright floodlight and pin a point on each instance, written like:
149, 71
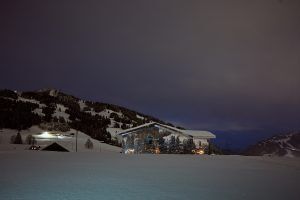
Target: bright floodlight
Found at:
45, 135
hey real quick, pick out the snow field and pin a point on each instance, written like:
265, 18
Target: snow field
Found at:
31, 175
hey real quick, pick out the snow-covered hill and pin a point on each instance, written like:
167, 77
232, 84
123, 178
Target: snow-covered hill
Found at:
52, 110
66, 139
280, 145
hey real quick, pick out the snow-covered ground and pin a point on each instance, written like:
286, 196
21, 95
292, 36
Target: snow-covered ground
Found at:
31, 175
41, 105
66, 139
114, 131
60, 111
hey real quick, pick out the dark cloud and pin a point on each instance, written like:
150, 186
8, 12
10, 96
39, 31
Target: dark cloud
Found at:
214, 65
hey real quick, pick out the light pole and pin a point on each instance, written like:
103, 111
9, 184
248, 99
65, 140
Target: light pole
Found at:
1, 136
76, 139
100, 144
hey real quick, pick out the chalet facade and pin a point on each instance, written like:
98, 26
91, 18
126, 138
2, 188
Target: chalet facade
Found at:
160, 138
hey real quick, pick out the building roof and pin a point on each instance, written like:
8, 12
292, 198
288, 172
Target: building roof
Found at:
202, 134
193, 133
55, 147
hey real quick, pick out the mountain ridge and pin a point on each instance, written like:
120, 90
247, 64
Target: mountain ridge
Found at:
283, 145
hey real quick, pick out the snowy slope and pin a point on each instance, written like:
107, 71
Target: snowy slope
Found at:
62, 112
281, 145
66, 139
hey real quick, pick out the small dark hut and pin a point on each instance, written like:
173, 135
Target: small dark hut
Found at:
55, 147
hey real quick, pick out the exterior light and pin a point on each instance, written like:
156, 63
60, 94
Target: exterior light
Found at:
157, 151
198, 151
129, 151
201, 152
45, 135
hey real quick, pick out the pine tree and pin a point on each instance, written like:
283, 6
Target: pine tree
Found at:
116, 125
172, 144
62, 120
188, 146
30, 140
18, 139
124, 126
162, 144
89, 144
209, 148
177, 144
55, 119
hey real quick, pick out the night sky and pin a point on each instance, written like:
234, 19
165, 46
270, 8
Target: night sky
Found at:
231, 67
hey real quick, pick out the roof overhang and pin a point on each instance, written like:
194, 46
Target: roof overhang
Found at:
191, 133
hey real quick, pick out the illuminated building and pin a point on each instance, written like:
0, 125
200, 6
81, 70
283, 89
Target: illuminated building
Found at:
159, 138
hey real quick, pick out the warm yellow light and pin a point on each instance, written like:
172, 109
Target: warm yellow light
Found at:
198, 151
201, 152
157, 151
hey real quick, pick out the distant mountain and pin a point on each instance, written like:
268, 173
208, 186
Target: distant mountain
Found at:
280, 145
55, 110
